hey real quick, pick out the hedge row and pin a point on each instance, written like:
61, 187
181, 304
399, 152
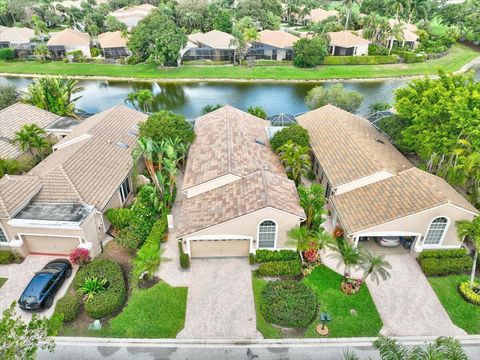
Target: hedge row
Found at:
112, 298
68, 306
184, 258
7, 54
411, 57
442, 254
469, 294
263, 255
280, 268
6, 257
360, 60
446, 266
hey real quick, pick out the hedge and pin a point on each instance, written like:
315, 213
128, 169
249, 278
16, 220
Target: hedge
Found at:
442, 254
55, 323
411, 57
119, 217
111, 299
280, 268
263, 255
6, 257
446, 266
184, 258
68, 306
268, 62
360, 60
7, 54
469, 294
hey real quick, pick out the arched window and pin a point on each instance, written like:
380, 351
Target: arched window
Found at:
267, 232
436, 231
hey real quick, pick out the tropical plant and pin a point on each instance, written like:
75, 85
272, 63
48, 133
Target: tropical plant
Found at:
30, 137
296, 133
395, 32
92, 286
471, 230
167, 125
379, 106
12, 167
310, 52
42, 52
335, 95
39, 27
300, 236
141, 99
257, 111
147, 260
396, 7
349, 4
312, 199
8, 95
374, 265
347, 255
296, 160
147, 149
209, 108
80, 256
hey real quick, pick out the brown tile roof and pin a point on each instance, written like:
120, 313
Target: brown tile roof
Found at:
346, 39
317, 15
214, 39
348, 147
277, 38
17, 191
69, 37
112, 39
17, 35
15, 116
407, 193
253, 192
225, 144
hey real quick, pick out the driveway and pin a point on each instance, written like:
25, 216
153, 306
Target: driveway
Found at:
19, 275
407, 304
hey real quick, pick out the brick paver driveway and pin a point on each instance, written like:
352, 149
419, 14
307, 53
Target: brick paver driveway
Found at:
220, 300
407, 304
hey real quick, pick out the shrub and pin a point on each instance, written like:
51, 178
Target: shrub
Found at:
6, 257
55, 323
129, 238
471, 295
280, 268
159, 230
107, 302
251, 258
95, 51
262, 62
295, 133
374, 49
289, 304
68, 306
309, 52
80, 256
77, 55
184, 258
93, 286
360, 60
119, 217
264, 255
257, 111
166, 124
7, 54
411, 57
442, 254
335, 95
446, 266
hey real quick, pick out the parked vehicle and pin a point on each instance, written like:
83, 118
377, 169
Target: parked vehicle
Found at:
388, 241
41, 290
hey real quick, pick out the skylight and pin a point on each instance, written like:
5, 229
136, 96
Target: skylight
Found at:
121, 144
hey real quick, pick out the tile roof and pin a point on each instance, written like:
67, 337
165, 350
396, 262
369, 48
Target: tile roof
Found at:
69, 37
277, 38
214, 39
15, 116
131, 15
16, 191
317, 15
17, 35
225, 144
348, 147
112, 39
407, 193
409, 30
346, 39
252, 192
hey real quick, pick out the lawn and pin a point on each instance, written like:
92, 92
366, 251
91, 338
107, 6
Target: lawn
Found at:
158, 312
2, 281
462, 313
268, 331
458, 56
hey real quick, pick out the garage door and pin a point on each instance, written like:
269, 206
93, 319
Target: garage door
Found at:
50, 244
218, 248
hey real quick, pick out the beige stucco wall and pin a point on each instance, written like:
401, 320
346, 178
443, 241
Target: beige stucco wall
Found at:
361, 50
212, 184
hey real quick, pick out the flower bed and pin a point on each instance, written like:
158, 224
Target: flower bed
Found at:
351, 286
472, 295
291, 268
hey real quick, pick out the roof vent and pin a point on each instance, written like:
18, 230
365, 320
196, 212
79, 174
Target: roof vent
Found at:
133, 133
380, 141
260, 141
121, 144
5, 139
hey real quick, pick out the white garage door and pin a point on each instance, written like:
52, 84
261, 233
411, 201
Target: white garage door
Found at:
50, 244
219, 248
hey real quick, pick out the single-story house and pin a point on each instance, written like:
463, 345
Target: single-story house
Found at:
273, 45
69, 40
14, 117
237, 195
374, 191
411, 39
317, 15
345, 43
213, 45
17, 38
132, 15
113, 44
60, 204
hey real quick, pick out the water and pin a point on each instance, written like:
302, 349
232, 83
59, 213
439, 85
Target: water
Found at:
189, 98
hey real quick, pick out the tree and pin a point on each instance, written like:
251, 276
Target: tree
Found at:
300, 236
39, 27
42, 52
8, 95
348, 4
309, 52
261, 11
395, 32
223, 20
147, 150
335, 95
395, 7
209, 108
141, 99
20, 340
113, 24
31, 137
54, 95
347, 254
374, 265
167, 125
296, 160
379, 106
295, 133
157, 39
312, 199
471, 230
257, 111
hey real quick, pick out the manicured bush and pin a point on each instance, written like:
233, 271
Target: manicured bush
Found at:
296, 133
411, 57
446, 266
374, 49
442, 254
119, 217
109, 301
360, 60
6, 257
251, 258
289, 304
55, 323
264, 255
7, 54
471, 295
95, 51
80, 256
68, 306
280, 268
184, 258
159, 230
129, 238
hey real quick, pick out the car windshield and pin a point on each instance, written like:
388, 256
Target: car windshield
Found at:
37, 285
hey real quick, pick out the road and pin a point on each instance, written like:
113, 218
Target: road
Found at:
325, 349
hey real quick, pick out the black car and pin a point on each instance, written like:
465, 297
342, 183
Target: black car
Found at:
40, 291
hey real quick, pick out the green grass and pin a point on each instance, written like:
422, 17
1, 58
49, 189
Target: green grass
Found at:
268, 331
2, 281
458, 56
462, 313
158, 312
326, 284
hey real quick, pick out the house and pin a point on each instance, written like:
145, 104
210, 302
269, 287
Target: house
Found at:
345, 43
113, 44
68, 40
273, 45
17, 38
214, 45
374, 191
317, 15
411, 39
14, 117
60, 204
132, 15
237, 195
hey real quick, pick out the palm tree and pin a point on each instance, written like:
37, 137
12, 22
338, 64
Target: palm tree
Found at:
312, 199
349, 4
292, 7
41, 144
210, 107
323, 239
39, 27
131, 99
374, 265
395, 7
147, 149
471, 229
395, 33
27, 138
296, 160
299, 236
42, 51
145, 99
347, 254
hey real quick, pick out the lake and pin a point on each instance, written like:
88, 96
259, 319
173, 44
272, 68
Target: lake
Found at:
189, 98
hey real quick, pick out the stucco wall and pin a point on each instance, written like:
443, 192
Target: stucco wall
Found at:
361, 50
84, 49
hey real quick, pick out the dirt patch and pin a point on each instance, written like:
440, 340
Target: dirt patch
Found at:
118, 253
148, 283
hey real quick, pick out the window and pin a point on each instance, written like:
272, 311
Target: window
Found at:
267, 232
436, 231
3, 238
125, 190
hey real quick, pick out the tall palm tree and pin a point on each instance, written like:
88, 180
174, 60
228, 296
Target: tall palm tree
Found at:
470, 229
29, 137
299, 236
147, 149
312, 199
296, 160
347, 254
349, 4
292, 7
395, 33
374, 265
145, 99
40, 144
39, 27
396, 7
